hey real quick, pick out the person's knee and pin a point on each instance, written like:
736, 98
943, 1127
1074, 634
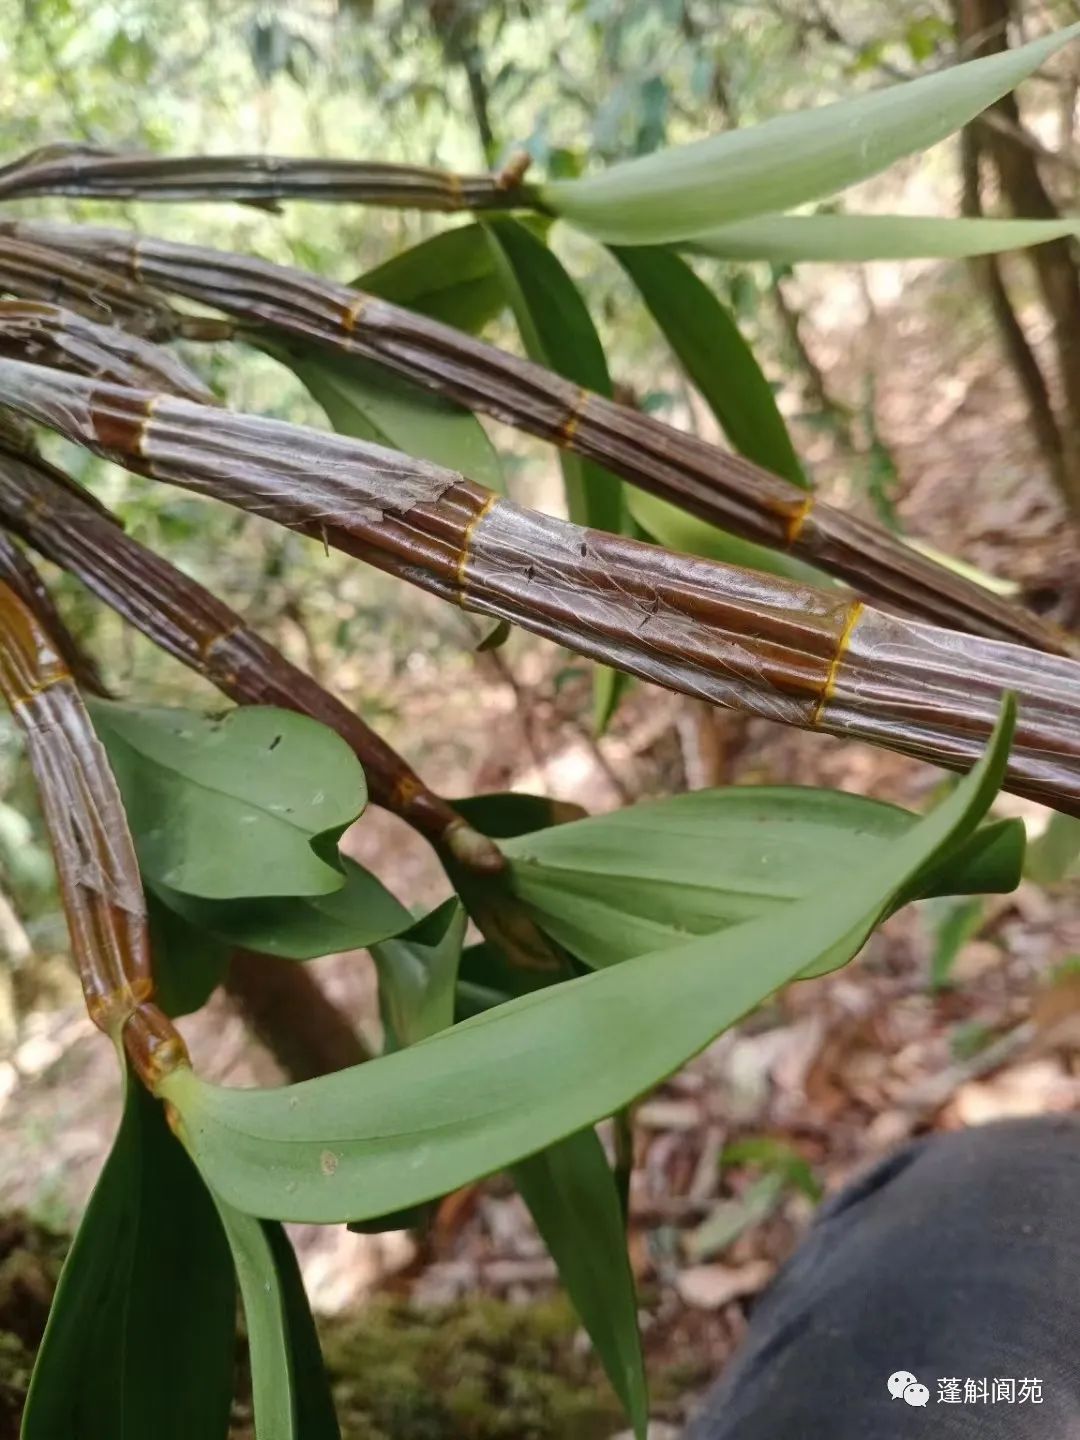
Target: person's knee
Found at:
956, 1259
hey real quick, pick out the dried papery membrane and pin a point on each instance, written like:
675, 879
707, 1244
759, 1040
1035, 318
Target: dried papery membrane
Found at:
737, 637
49, 335
723, 489
95, 861
96, 867
36, 272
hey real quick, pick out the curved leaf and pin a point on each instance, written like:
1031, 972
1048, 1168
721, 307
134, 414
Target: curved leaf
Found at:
787, 239
568, 1188
300, 927
413, 1125
450, 277
234, 804
189, 965
511, 812
679, 193
648, 876
417, 975
558, 331
140, 1339
714, 355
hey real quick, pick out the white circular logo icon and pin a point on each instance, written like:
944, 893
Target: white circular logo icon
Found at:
899, 1382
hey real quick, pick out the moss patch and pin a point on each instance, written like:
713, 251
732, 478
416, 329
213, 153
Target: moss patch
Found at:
478, 1370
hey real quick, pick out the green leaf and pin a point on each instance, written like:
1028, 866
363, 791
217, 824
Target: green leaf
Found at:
673, 528
731, 1218
417, 975
568, 1188
364, 400
1054, 855
957, 922
300, 927
572, 1197
316, 1418
715, 356
188, 964
486, 978
290, 1393
506, 1084
557, 331
777, 1156
678, 193
652, 875
787, 239
450, 277
488, 898
141, 1338
231, 805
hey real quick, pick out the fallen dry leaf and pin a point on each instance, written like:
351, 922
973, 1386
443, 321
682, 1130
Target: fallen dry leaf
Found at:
711, 1287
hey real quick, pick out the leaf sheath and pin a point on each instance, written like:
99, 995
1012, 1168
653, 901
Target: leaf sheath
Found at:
96, 866
737, 638
93, 173
724, 489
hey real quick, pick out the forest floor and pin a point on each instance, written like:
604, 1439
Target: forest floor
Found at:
834, 1072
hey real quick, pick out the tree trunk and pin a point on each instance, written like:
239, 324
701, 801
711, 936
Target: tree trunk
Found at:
982, 26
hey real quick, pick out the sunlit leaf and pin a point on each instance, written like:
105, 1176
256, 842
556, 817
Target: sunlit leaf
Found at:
506, 1084
450, 276
234, 804
714, 355
651, 875
678, 193
787, 239
369, 403
140, 1340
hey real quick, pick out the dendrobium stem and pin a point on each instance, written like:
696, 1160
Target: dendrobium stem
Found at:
721, 488
174, 611
738, 638
84, 171
95, 859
